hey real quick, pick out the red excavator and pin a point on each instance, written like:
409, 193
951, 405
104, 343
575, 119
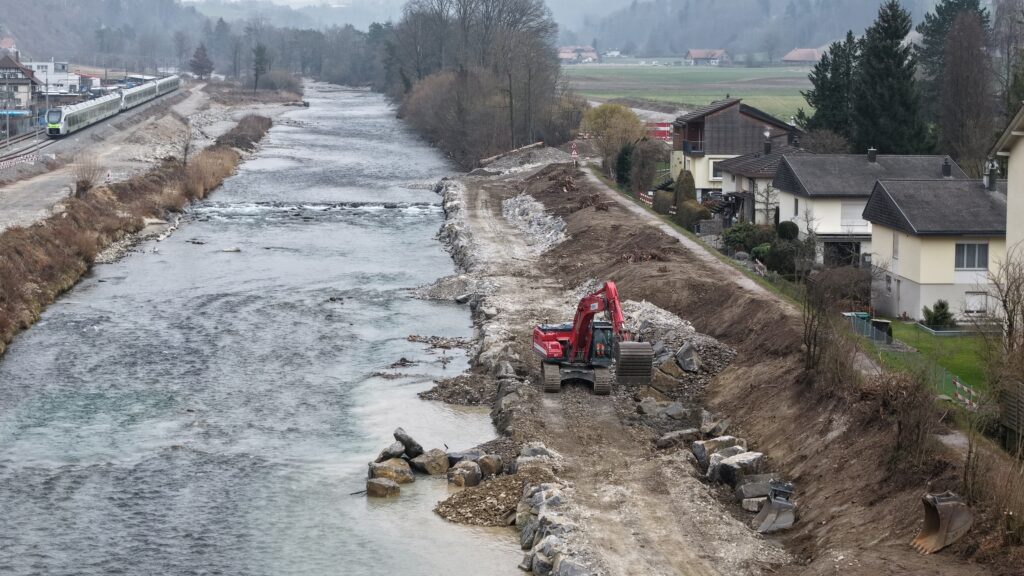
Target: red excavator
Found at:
586, 349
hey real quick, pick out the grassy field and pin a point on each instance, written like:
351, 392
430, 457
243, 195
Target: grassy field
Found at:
774, 90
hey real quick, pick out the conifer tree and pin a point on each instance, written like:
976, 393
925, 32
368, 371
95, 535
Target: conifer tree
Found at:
886, 102
931, 53
832, 94
200, 64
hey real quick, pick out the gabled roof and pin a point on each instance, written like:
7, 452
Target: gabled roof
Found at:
8, 62
1010, 135
802, 55
759, 164
938, 207
852, 175
703, 112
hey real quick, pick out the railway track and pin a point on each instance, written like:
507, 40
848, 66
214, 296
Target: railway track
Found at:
11, 157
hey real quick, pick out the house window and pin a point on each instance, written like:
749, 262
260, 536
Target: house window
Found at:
852, 214
895, 245
796, 207
888, 285
975, 303
716, 172
972, 256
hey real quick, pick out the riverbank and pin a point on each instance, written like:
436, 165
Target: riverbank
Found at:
639, 504
40, 262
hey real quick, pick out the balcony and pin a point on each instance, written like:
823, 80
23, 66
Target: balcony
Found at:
693, 147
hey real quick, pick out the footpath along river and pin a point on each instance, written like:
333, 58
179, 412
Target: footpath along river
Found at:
188, 410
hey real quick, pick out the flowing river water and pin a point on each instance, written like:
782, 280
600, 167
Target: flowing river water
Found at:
190, 410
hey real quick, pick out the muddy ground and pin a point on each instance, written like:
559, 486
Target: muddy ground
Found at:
644, 511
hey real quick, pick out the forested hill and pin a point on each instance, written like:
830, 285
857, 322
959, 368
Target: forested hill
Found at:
69, 29
663, 27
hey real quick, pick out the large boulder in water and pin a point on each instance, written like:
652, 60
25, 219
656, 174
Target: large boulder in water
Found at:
394, 451
412, 447
395, 469
464, 474
473, 454
382, 488
433, 462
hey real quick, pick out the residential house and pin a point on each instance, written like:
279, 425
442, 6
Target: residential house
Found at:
802, 57
936, 239
724, 129
577, 54
17, 87
747, 183
704, 57
1011, 146
826, 194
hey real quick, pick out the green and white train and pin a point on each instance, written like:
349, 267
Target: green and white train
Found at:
70, 119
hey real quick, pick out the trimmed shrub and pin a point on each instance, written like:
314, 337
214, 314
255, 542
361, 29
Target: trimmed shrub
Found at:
686, 188
782, 257
761, 252
689, 213
624, 165
663, 201
788, 230
939, 315
746, 236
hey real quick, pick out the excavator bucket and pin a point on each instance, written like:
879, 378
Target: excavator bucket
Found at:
779, 512
946, 520
635, 363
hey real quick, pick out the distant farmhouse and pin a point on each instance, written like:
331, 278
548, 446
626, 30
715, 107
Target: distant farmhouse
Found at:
802, 57
704, 57
577, 54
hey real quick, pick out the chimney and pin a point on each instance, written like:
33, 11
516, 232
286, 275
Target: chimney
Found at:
992, 176
947, 169
872, 155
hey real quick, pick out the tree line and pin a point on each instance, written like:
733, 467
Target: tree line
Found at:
949, 92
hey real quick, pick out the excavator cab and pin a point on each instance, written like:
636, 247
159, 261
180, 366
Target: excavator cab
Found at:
602, 347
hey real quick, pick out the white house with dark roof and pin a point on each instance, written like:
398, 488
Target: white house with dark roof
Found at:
936, 239
747, 182
1011, 146
826, 194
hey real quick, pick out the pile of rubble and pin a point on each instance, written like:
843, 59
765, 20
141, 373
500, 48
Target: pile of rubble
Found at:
541, 230
464, 390
397, 463
529, 158
723, 459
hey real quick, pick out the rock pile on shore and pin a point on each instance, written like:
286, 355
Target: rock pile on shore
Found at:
540, 229
721, 459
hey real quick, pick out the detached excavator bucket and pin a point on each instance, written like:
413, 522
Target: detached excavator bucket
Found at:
779, 512
946, 520
635, 363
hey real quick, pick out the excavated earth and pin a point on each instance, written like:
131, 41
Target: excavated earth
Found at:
642, 511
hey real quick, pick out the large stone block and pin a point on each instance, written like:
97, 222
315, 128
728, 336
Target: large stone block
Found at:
394, 469
735, 467
677, 438
382, 488
412, 448
433, 462
703, 449
464, 474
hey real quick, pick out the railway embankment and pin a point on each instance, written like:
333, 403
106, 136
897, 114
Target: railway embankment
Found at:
41, 261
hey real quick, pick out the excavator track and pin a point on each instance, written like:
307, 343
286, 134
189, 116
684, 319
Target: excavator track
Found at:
635, 363
551, 378
602, 382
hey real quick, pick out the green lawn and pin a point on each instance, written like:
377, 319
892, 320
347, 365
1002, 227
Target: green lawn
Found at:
960, 355
774, 90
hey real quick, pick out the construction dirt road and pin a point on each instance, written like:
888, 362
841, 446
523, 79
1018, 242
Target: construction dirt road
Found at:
646, 511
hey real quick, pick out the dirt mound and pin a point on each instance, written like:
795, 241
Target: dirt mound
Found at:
493, 502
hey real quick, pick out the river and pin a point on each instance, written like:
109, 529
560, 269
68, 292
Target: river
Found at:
191, 410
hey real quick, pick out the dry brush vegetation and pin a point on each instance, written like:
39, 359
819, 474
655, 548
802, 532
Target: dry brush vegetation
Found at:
40, 262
